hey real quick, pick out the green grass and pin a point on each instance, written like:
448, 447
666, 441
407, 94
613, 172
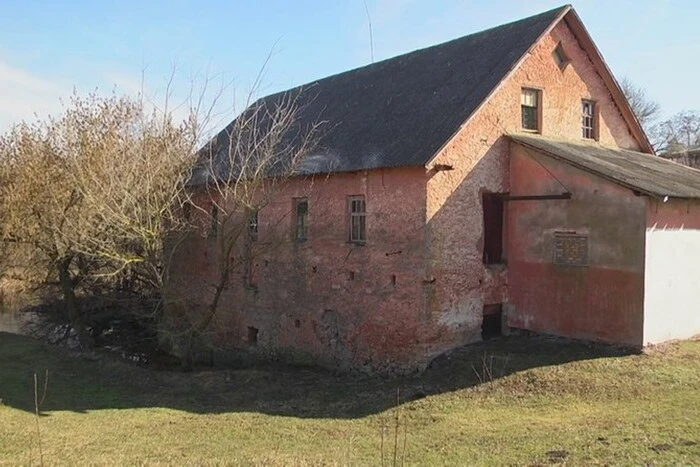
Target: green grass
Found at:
547, 401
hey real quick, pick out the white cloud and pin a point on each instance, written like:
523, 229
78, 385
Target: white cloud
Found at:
24, 95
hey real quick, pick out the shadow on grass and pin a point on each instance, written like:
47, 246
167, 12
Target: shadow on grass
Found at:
85, 383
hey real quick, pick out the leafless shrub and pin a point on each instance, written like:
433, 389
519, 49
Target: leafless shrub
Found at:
398, 455
488, 372
645, 109
90, 195
100, 198
237, 175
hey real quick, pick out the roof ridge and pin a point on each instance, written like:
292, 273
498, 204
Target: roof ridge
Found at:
400, 111
377, 64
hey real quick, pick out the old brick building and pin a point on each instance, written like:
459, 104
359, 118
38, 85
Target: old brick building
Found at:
500, 179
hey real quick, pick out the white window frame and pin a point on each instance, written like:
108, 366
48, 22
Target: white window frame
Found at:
589, 119
526, 101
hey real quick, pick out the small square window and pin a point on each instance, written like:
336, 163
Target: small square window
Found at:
588, 119
253, 224
301, 210
529, 107
357, 214
560, 57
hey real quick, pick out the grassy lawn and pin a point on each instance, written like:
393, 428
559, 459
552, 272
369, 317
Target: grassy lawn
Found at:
522, 401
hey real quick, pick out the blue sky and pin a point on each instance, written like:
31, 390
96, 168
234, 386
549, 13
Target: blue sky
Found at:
48, 48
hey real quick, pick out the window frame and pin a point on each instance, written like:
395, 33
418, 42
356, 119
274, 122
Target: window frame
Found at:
589, 131
538, 108
253, 224
560, 57
357, 216
298, 235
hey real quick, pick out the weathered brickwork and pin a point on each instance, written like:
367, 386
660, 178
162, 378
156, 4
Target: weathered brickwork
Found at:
418, 286
479, 154
325, 300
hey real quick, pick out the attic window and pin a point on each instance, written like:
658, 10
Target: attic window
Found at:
530, 109
560, 57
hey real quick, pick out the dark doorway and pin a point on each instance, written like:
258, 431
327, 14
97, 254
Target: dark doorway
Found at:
493, 321
493, 228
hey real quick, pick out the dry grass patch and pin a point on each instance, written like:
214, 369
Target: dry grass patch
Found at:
551, 402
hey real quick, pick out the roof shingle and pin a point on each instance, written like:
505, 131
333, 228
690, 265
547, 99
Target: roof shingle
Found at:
401, 111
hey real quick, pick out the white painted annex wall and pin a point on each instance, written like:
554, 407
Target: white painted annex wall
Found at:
671, 284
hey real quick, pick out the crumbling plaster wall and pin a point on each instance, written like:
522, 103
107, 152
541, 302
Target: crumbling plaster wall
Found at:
479, 156
601, 300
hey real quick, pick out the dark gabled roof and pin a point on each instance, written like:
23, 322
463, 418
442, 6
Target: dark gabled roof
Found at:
644, 173
401, 111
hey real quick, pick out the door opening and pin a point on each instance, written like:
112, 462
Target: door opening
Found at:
493, 321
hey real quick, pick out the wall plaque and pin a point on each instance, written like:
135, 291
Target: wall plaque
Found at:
570, 249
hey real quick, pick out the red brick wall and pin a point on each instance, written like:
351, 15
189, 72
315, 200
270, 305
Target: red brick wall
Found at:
326, 301
479, 154
673, 214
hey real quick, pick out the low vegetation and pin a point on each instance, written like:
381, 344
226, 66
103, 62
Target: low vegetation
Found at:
509, 401
96, 202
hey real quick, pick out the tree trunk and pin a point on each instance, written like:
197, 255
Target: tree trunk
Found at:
71, 304
196, 331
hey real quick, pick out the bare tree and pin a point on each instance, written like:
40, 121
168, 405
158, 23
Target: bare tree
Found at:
110, 190
41, 210
678, 133
134, 186
92, 194
681, 132
646, 110
237, 175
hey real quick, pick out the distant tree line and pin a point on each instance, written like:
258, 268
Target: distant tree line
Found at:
680, 132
